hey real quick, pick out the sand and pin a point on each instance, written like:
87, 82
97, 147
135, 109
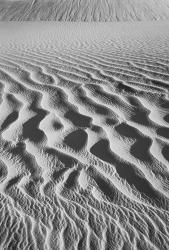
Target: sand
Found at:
84, 136
84, 10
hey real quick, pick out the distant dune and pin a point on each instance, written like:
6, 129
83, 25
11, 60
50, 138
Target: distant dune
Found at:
84, 10
84, 136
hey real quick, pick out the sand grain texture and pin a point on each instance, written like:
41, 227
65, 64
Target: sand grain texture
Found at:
84, 136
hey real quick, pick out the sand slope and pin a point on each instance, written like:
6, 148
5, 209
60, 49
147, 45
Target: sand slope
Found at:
84, 136
84, 10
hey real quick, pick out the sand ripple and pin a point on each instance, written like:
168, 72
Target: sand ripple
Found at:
84, 140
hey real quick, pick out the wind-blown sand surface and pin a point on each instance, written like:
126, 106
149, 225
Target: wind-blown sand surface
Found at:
84, 10
84, 136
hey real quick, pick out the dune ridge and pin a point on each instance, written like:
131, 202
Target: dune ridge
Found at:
84, 136
84, 10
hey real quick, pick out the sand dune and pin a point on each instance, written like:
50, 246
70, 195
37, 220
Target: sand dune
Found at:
84, 136
84, 10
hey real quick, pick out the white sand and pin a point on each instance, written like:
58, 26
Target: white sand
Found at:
84, 135
84, 10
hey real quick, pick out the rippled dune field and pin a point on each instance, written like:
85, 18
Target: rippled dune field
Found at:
84, 136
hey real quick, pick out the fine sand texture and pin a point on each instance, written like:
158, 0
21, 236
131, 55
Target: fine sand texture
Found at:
84, 10
84, 136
